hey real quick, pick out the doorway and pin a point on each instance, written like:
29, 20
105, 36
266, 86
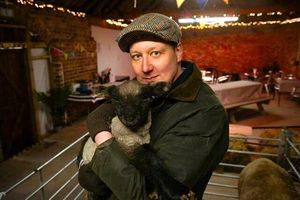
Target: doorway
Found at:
17, 124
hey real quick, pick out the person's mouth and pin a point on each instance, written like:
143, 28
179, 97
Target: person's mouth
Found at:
150, 79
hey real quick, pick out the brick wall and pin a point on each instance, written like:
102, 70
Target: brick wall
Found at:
72, 49
240, 49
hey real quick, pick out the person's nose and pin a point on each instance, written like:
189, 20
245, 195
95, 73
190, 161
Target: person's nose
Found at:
147, 65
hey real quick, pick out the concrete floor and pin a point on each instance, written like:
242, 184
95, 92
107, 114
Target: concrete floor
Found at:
19, 166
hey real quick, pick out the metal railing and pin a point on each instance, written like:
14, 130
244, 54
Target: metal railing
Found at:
40, 189
284, 158
221, 186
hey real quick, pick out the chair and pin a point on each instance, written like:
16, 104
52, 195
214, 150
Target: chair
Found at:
269, 84
295, 94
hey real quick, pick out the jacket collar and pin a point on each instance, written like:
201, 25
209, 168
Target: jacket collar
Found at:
188, 90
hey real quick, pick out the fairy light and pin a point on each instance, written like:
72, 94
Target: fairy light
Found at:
119, 23
234, 24
192, 23
201, 23
50, 6
207, 20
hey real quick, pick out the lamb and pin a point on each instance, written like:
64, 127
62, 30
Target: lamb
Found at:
131, 125
130, 128
262, 179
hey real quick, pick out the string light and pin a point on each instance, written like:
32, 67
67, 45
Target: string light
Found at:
207, 20
119, 22
202, 25
50, 6
233, 24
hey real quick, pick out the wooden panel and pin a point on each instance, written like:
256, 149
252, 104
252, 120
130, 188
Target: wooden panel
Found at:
16, 119
12, 33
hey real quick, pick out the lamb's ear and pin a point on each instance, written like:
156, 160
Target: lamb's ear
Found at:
160, 88
109, 91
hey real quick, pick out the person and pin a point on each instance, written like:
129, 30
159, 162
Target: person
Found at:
190, 128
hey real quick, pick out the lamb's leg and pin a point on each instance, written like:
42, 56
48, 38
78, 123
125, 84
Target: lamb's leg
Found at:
145, 159
88, 151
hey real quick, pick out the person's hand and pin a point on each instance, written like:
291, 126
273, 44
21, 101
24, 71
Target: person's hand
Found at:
102, 137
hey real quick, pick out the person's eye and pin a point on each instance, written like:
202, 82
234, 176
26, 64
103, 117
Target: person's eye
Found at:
136, 57
155, 53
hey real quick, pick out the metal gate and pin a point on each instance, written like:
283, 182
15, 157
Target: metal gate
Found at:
62, 183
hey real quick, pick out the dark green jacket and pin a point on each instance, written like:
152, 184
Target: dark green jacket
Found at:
189, 132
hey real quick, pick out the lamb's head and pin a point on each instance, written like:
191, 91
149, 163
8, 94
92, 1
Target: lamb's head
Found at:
132, 101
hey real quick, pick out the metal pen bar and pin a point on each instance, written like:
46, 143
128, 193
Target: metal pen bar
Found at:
69, 194
79, 194
49, 180
63, 151
255, 138
251, 153
222, 185
42, 166
293, 146
17, 184
226, 175
292, 166
221, 195
41, 183
64, 185
232, 165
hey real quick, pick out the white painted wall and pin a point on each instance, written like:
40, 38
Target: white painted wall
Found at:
42, 84
108, 53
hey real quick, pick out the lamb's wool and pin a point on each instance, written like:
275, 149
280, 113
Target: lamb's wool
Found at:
127, 139
262, 179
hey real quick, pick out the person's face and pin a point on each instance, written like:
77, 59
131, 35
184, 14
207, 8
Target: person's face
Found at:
155, 61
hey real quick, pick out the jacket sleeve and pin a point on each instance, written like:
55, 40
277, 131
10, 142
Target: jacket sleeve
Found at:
100, 119
113, 168
110, 164
195, 146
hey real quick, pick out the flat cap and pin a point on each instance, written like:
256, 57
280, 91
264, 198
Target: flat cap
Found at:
151, 26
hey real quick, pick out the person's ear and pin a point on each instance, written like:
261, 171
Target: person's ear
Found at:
179, 52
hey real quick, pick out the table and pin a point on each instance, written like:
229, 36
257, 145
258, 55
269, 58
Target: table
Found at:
86, 98
94, 97
285, 86
238, 93
80, 105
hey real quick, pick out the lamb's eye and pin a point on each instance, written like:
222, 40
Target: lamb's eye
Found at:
149, 99
116, 100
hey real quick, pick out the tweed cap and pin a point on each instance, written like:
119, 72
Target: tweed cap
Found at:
151, 26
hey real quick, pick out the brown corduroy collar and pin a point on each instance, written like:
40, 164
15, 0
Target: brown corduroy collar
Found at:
188, 90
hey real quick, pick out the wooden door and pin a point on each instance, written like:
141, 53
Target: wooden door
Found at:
17, 124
